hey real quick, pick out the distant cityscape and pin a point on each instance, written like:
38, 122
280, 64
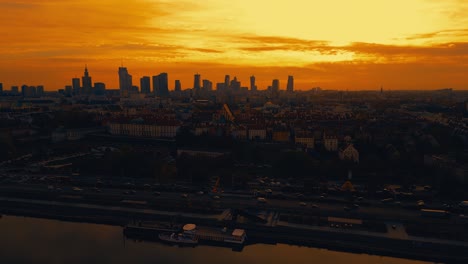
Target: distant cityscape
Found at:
387, 168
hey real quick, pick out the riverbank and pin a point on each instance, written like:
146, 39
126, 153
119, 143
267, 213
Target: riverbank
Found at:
323, 237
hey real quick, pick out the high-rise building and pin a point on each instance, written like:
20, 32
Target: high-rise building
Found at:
227, 81
235, 84
1, 89
99, 88
145, 85
207, 85
86, 81
76, 86
290, 86
28, 91
178, 86
196, 82
68, 90
125, 81
14, 90
253, 86
160, 85
164, 85
275, 85
40, 90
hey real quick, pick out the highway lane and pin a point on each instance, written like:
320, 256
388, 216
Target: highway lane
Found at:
194, 200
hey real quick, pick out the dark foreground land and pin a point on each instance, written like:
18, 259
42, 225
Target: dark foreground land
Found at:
324, 224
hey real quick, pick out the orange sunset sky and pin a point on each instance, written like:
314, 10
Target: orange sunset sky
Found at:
334, 44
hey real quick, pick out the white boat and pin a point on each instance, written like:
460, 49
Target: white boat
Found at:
178, 238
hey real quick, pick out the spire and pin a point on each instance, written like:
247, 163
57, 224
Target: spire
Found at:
86, 70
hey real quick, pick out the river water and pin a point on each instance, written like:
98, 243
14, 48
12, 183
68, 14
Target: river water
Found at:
33, 240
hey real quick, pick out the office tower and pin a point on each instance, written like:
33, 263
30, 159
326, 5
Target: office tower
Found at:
275, 85
163, 85
253, 86
125, 81
76, 86
227, 81
145, 85
207, 85
68, 90
14, 90
178, 86
235, 85
290, 86
1, 89
99, 88
155, 84
160, 85
86, 81
196, 82
40, 90
28, 91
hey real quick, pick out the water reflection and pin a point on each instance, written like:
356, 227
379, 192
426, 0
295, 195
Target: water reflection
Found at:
31, 240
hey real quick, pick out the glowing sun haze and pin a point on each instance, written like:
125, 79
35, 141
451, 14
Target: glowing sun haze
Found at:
335, 44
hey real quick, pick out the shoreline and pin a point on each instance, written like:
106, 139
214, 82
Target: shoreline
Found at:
436, 251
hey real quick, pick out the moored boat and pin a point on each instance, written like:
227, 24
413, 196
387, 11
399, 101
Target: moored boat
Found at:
178, 238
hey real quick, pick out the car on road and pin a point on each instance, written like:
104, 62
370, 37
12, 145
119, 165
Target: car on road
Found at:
302, 204
184, 195
261, 200
346, 208
76, 189
156, 193
314, 206
216, 197
356, 206
200, 193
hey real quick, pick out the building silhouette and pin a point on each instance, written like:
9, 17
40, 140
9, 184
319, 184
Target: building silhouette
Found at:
207, 85
76, 86
145, 85
196, 83
40, 90
253, 86
275, 86
86, 81
235, 84
227, 81
178, 86
15, 90
125, 81
1, 88
161, 85
290, 86
99, 88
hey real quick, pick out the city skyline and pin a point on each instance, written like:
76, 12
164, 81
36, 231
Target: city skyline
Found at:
418, 44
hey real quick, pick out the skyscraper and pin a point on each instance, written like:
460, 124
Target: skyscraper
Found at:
235, 84
275, 86
178, 86
160, 85
86, 80
40, 90
290, 86
76, 86
1, 89
125, 81
253, 86
164, 85
145, 85
207, 85
227, 81
196, 82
